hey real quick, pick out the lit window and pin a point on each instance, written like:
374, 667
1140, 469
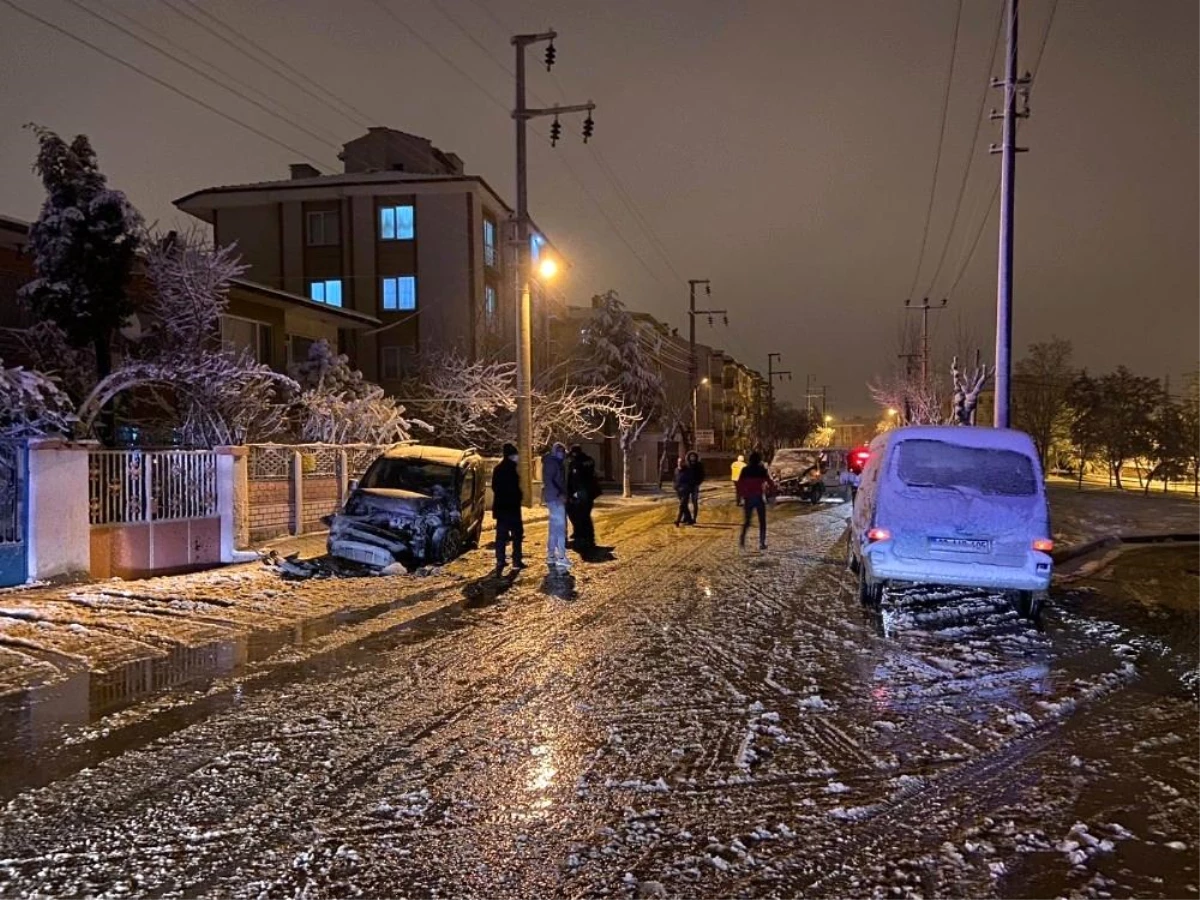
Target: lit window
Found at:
328, 291
489, 242
396, 223
489, 304
535, 247
323, 228
399, 293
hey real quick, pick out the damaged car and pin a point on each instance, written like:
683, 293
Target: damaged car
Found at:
800, 472
414, 505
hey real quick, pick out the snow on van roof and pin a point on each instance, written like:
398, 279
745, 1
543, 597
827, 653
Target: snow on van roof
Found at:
963, 435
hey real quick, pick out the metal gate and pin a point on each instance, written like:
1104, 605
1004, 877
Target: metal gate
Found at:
13, 514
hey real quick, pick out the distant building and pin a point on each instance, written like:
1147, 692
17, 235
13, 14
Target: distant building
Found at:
403, 235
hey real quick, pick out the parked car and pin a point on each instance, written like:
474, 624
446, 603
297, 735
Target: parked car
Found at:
800, 472
415, 504
952, 505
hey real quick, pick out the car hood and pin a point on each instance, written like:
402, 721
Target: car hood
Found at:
794, 469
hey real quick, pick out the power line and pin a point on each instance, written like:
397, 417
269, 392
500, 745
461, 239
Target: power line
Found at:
937, 160
962, 187
355, 115
996, 188
161, 82
198, 71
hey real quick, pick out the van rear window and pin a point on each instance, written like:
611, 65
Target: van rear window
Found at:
937, 464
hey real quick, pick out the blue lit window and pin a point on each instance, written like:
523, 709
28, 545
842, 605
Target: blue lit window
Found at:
396, 223
535, 247
489, 242
399, 293
328, 291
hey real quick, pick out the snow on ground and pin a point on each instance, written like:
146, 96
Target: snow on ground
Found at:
687, 720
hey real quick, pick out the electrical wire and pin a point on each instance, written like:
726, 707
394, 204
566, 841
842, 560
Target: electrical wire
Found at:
203, 74
962, 187
335, 102
163, 83
937, 160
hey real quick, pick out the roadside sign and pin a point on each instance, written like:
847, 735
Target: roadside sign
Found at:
705, 437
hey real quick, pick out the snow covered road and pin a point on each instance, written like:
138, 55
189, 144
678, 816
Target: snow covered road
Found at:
682, 720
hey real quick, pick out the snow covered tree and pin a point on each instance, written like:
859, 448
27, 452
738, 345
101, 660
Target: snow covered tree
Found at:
467, 404
213, 395
84, 242
337, 405
967, 388
32, 404
616, 355
916, 402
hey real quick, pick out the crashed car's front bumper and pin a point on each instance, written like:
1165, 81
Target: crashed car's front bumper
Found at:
361, 540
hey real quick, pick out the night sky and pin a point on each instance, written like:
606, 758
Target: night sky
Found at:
784, 150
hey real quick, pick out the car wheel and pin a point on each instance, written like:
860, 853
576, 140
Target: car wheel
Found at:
1028, 604
450, 547
869, 593
818, 493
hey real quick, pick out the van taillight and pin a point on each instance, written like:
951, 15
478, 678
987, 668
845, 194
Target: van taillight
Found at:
1044, 544
879, 534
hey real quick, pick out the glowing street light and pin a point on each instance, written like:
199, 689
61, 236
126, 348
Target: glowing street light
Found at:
828, 419
893, 412
547, 268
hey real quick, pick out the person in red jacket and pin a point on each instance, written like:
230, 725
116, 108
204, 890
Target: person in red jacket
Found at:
754, 485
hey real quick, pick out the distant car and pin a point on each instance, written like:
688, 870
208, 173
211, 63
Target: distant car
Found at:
415, 504
953, 505
799, 472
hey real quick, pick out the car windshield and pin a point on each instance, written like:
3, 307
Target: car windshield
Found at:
417, 475
794, 459
925, 463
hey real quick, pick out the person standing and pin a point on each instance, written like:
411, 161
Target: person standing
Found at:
753, 485
683, 490
734, 471
506, 509
582, 490
554, 495
696, 478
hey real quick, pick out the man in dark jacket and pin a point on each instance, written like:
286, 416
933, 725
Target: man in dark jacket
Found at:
506, 509
683, 490
754, 485
582, 490
695, 479
554, 495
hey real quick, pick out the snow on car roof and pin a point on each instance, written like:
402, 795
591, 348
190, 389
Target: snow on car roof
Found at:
963, 435
446, 456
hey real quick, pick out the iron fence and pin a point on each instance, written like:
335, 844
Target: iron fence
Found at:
127, 486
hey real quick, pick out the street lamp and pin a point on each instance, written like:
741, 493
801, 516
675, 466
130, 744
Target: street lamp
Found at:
828, 419
695, 417
892, 411
547, 268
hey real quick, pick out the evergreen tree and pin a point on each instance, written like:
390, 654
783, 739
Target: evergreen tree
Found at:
84, 242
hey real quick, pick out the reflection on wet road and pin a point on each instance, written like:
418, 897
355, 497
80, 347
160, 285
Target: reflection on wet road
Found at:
684, 719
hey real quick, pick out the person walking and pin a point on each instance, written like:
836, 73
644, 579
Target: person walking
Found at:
683, 490
753, 485
554, 495
582, 491
696, 476
506, 509
734, 471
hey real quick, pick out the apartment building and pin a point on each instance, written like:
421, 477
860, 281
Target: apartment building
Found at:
402, 235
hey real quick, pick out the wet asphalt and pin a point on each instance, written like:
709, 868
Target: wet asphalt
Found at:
676, 718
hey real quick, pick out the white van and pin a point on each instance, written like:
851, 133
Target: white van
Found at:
953, 505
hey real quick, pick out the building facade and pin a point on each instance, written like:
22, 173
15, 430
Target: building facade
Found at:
403, 235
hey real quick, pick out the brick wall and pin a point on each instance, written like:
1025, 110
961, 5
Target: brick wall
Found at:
320, 499
270, 509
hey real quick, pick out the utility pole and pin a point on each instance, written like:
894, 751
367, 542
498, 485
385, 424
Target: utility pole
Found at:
522, 114
693, 364
1008, 173
925, 308
772, 374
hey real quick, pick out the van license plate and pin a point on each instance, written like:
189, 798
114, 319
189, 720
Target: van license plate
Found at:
963, 545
